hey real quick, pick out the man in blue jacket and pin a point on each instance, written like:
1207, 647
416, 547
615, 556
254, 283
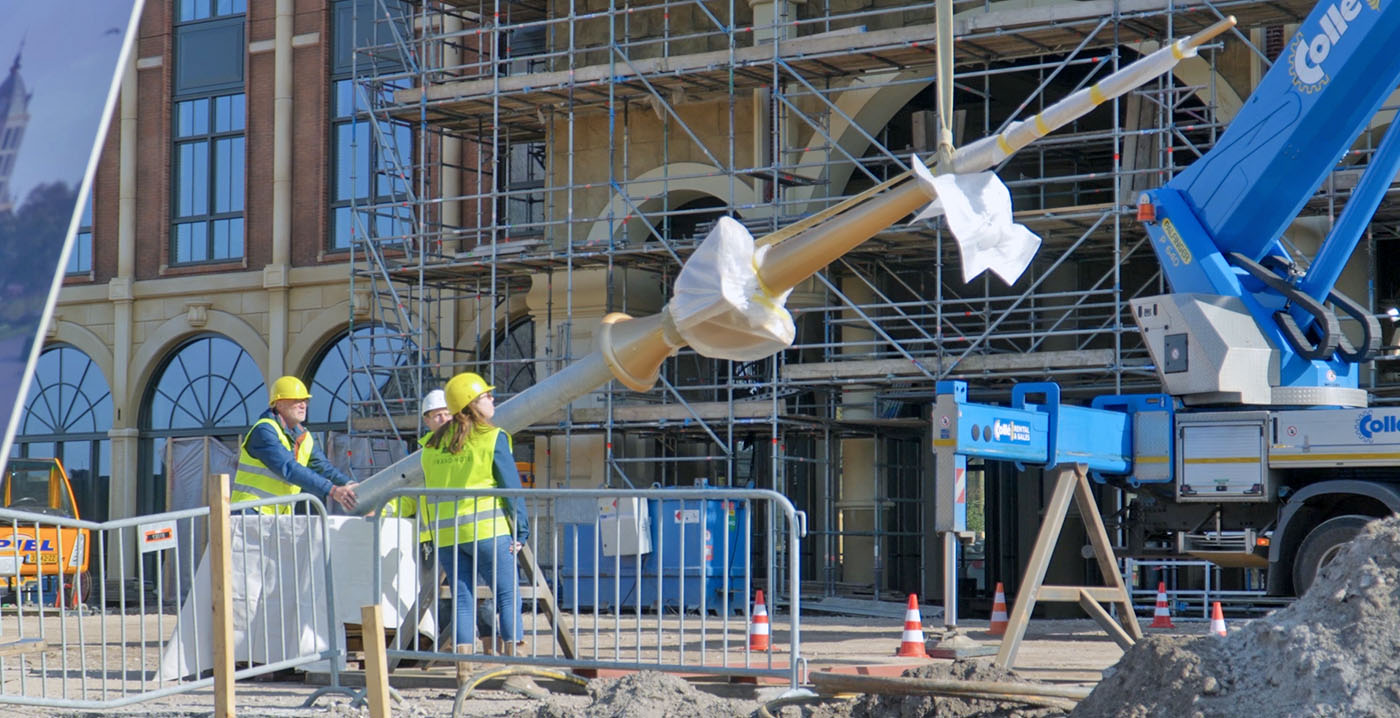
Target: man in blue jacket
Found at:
280, 457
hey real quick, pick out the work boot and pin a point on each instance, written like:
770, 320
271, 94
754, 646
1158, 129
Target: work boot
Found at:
520, 685
464, 668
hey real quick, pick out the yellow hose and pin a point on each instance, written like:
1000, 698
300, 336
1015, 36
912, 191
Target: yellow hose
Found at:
465, 690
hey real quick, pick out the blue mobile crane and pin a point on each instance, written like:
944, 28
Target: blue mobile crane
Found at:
1261, 451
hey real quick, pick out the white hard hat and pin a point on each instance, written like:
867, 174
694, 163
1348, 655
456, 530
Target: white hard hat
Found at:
435, 399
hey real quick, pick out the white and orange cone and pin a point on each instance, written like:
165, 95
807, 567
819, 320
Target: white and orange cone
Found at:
1161, 616
1217, 620
758, 624
911, 644
997, 627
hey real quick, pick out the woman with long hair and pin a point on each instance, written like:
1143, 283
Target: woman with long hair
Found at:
477, 538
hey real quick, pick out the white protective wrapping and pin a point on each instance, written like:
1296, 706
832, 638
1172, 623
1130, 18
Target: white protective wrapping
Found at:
721, 308
279, 590
978, 209
189, 462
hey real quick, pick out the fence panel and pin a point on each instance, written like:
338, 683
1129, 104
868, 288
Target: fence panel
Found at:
654, 579
1192, 586
103, 615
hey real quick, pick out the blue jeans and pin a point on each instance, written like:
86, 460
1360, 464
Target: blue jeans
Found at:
491, 561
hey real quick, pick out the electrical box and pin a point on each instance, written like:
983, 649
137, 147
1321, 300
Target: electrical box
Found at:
624, 526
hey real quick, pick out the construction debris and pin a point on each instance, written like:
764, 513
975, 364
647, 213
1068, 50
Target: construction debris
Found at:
882, 705
1331, 653
645, 695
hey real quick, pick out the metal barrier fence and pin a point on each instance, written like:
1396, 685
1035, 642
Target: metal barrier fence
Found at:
655, 579
104, 615
1192, 585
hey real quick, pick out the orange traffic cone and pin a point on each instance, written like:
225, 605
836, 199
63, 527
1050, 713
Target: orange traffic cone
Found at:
1217, 620
758, 625
911, 645
998, 625
1161, 617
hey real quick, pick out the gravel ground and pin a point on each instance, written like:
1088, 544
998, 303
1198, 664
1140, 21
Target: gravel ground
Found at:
1332, 653
1070, 652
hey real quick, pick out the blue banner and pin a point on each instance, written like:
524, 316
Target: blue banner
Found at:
60, 64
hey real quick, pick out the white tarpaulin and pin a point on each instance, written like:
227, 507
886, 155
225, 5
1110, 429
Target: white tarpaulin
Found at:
721, 307
978, 210
189, 462
279, 589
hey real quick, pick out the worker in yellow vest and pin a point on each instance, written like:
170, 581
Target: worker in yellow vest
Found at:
280, 458
479, 537
434, 413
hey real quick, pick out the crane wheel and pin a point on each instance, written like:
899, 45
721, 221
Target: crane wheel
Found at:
1321, 545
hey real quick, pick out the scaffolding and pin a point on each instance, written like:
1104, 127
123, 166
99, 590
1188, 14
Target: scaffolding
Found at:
537, 164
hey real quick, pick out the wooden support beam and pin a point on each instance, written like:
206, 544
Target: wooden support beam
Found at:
376, 663
1111, 627
543, 593
221, 594
1073, 483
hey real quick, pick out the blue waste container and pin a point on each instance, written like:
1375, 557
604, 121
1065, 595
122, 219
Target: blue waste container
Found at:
702, 549
588, 579
698, 558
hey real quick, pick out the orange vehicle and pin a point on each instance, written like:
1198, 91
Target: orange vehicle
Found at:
31, 549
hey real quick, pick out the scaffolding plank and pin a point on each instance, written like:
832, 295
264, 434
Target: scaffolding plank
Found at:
981, 35
631, 413
516, 10
707, 410
875, 368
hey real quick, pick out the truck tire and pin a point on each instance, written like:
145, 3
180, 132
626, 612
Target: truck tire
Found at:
1321, 545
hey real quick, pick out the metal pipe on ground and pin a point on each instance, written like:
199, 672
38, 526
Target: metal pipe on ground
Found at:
1032, 693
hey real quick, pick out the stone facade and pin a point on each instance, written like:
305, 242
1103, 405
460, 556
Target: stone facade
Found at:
283, 302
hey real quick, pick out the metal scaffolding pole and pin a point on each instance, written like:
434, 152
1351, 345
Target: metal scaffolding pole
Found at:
565, 161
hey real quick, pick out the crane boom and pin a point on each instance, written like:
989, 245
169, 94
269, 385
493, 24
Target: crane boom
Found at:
1240, 299
1321, 92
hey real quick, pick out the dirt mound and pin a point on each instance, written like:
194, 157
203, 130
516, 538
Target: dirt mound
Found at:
646, 695
1332, 653
891, 706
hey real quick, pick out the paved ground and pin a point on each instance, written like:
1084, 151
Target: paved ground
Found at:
1070, 652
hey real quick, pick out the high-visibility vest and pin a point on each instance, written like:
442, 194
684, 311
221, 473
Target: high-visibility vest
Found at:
255, 481
406, 506
463, 521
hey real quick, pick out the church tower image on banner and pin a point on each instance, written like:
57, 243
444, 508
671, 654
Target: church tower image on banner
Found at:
14, 115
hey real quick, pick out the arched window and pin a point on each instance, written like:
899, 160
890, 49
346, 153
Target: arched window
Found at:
209, 383
369, 371
513, 358
208, 386
67, 414
693, 219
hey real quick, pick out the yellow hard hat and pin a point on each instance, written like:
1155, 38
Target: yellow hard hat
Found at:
463, 389
287, 387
